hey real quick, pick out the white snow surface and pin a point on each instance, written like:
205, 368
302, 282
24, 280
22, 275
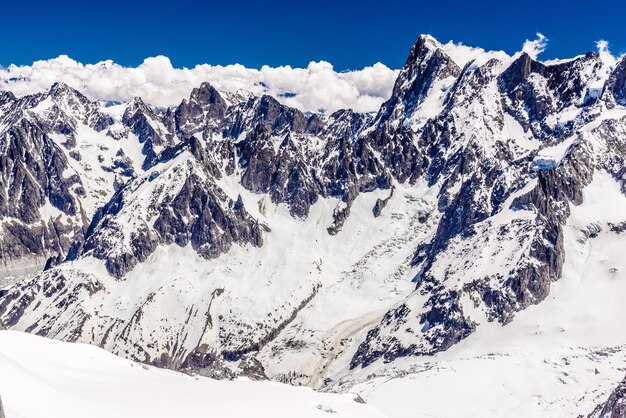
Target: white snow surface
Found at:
53, 379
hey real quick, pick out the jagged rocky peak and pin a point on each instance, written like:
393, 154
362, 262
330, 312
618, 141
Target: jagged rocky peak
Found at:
238, 97
205, 109
137, 105
69, 99
39, 208
60, 90
144, 122
478, 219
70, 106
519, 70
263, 112
536, 92
427, 64
6, 97
343, 124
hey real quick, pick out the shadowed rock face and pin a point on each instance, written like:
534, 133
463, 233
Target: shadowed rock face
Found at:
535, 91
616, 84
141, 120
32, 175
426, 64
36, 169
184, 206
205, 110
263, 112
614, 406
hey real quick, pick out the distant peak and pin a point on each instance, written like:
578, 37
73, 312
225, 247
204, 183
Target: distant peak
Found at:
205, 86
424, 47
205, 93
428, 38
427, 42
58, 88
62, 90
137, 102
6, 96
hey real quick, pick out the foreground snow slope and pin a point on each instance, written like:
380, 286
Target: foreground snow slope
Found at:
46, 378
557, 359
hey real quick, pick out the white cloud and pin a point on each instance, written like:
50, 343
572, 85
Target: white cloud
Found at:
535, 47
462, 54
318, 86
605, 55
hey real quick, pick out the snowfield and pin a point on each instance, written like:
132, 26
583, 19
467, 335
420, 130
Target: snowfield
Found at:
52, 379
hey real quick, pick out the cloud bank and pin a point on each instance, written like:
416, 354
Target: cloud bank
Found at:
314, 88
318, 86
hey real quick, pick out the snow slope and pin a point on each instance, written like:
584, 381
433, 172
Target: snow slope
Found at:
556, 359
52, 379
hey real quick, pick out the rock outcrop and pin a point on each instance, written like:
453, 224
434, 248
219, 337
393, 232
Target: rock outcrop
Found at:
614, 406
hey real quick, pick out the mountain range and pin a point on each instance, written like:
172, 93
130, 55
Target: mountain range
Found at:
234, 236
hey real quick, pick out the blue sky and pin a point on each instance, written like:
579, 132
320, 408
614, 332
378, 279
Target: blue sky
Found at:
349, 34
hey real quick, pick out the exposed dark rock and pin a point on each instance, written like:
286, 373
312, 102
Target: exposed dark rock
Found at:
254, 346
141, 120
199, 213
252, 368
531, 103
618, 228
340, 214
615, 88
33, 173
462, 152
614, 406
427, 63
380, 204
266, 113
205, 110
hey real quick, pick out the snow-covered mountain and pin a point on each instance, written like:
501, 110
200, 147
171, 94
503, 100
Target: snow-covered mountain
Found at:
233, 235
54, 379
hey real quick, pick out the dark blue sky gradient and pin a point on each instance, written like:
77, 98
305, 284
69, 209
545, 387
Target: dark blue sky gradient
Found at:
349, 34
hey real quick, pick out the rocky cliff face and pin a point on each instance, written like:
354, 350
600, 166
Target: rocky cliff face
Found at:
614, 406
444, 211
490, 182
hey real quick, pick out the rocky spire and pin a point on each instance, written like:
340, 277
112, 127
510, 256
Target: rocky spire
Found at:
426, 64
205, 109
